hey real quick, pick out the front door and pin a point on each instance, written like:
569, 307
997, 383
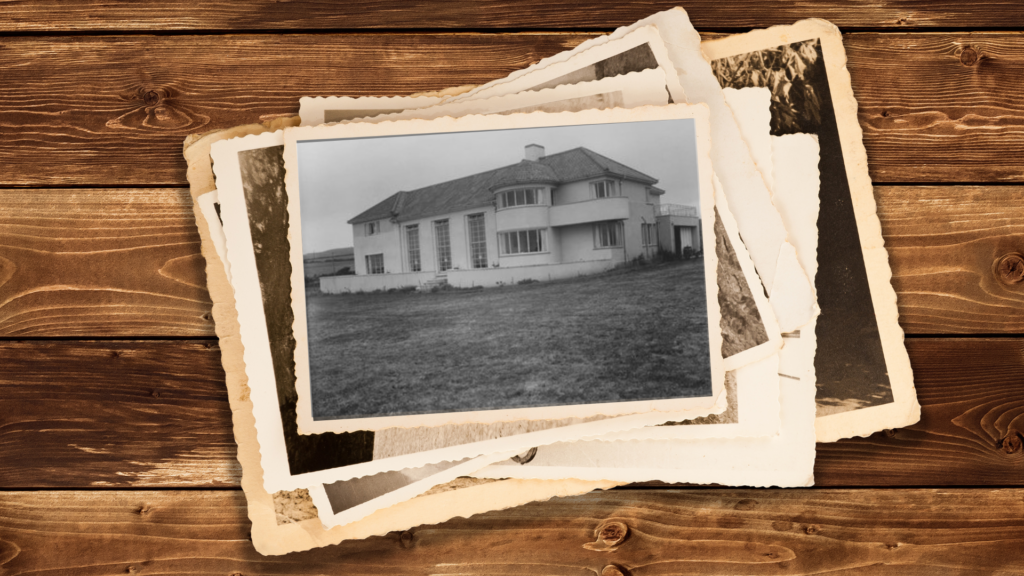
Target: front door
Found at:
443, 245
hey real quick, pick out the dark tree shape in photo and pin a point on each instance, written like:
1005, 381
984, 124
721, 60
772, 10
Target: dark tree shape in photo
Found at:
790, 72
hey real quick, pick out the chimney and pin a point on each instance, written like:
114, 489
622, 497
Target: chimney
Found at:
534, 152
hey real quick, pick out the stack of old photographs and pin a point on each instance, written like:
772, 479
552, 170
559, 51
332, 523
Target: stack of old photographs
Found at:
644, 259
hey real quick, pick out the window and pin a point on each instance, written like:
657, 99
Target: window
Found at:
373, 228
520, 197
374, 263
412, 240
608, 234
443, 243
650, 234
523, 242
604, 189
477, 240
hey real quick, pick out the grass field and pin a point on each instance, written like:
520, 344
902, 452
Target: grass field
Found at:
630, 334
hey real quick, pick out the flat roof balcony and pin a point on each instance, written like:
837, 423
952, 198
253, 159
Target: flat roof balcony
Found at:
596, 210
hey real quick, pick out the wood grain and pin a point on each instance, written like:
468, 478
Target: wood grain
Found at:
154, 414
126, 263
940, 107
101, 263
112, 109
945, 244
98, 414
791, 532
222, 15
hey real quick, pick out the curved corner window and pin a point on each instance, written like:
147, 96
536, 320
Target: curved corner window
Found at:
523, 242
520, 197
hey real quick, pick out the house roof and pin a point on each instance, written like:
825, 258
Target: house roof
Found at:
476, 191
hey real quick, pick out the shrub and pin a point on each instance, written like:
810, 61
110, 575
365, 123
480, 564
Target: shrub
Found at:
527, 281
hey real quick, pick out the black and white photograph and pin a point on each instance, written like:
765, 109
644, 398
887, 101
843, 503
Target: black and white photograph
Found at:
496, 270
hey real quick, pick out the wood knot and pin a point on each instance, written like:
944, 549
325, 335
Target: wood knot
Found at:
612, 570
143, 510
745, 504
609, 536
405, 540
812, 529
152, 97
1012, 443
969, 56
1010, 268
890, 433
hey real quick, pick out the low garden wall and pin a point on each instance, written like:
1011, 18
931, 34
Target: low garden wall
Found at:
369, 283
514, 275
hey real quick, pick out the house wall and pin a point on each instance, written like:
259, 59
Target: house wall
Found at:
640, 212
386, 243
458, 231
577, 243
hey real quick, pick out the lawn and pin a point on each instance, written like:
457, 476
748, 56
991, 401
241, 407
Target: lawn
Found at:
629, 334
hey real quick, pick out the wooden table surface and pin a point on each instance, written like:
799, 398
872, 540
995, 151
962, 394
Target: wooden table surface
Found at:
116, 451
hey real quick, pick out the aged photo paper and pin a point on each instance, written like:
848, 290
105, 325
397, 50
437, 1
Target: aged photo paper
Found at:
642, 118
790, 292
314, 111
287, 521
865, 383
373, 447
783, 460
639, 50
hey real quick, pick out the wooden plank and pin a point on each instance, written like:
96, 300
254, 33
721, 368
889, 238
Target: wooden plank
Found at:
101, 263
791, 532
101, 110
56, 16
97, 414
126, 262
154, 414
950, 249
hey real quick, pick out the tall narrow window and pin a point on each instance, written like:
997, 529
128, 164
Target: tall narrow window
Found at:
608, 234
443, 243
650, 234
477, 240
374, 263
412, 240
372, 228
523, 241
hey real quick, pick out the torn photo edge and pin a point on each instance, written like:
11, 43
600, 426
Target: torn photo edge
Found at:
272, 532
790, 292
904, 409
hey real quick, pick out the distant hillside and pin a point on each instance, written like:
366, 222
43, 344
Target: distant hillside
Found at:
332, 254
329, 262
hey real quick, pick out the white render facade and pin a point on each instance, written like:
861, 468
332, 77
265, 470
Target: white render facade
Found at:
570, 213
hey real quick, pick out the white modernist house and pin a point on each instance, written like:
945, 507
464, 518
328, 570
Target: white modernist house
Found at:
546, 217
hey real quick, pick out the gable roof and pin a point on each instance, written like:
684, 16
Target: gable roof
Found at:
476, 191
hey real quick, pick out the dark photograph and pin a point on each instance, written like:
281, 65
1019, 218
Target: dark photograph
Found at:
503, 269
849, 364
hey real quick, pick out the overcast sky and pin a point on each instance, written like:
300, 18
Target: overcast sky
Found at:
339, 179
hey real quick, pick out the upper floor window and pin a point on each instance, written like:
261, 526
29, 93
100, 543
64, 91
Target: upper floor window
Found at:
373, 228
605, 188
520, 197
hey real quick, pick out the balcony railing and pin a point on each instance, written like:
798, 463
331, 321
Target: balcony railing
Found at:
677, 210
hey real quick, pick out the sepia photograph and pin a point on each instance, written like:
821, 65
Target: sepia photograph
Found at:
494, 270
